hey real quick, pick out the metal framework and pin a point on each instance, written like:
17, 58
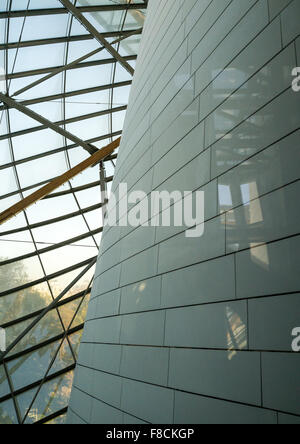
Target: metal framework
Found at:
43, 303
82, 9
98, 156
96, 34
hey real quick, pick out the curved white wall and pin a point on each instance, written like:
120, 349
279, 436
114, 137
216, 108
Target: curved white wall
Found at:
199, 330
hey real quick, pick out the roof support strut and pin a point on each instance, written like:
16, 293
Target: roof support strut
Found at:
33, 115
72, 64
96, 34
58, 182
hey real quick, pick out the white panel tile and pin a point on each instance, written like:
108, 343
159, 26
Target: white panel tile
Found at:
190, 177
270, 81
209, 326
107, 358
290, 22
104, 414
81, 404
265, 128
246, 30
266, 219
261, 271
176, 107
180, 251
271, 322
141, 266
206, 21
107, 388
280, 375
180, 155
181, 126
143, 328
250, 60
288, 419
145, 364
108, 304
217, 374
142, 296
150, 403
207, 282
128, 419
195, 13
192, 409
108, 281
272, 168
106, 330
138, 240
276, 6
210, 211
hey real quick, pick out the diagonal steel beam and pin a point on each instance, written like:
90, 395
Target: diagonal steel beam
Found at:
64, 122
55, 11
46, 310
57, 40
58, 182
28, 112
96, 34
72, 64
66, 95
40, 71
58, 150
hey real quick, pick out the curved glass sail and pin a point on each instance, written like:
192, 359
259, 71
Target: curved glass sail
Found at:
70, 62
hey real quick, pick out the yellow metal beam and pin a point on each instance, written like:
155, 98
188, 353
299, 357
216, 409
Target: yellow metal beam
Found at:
58, 182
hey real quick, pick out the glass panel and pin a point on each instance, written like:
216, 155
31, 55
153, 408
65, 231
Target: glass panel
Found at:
4, 387
24, 302
53, 396
8, 413
69, 310
32, 367
48, 327
59, 420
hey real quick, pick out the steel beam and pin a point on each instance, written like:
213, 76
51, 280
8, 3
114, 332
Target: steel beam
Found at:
33, 314
47, 309
66, 95
36, 72
47, 123
56, 40
82, 9
64, 122
71, 64
51, 221
55, 151
52, 247
48, 278
58, 182
96, 34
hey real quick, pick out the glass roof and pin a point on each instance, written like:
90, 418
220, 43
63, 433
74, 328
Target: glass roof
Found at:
49, 250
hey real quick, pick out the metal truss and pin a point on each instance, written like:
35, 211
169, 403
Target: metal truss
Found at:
82, 9
57, 40
96, 34
55, 126
36, 72
98, 156
71, 94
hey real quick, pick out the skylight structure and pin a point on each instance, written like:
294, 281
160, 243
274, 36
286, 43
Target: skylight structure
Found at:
71, 63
